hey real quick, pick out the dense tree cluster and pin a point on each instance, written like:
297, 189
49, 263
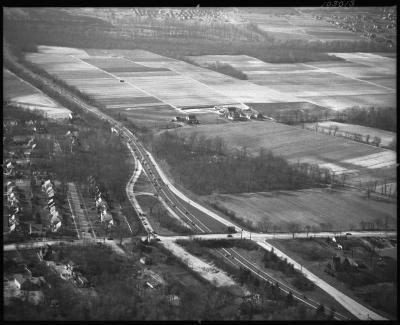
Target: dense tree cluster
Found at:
205, 165
377, 117
226, 69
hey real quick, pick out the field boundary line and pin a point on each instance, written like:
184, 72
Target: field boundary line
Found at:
343, 75
116, 77
197, 81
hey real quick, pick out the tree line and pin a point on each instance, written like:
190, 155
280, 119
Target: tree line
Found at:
377, 117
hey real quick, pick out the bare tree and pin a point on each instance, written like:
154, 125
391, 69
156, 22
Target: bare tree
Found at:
264, 225
293, 227
308, 228
377, 141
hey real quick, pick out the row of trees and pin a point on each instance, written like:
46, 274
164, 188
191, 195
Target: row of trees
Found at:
205, 165
227, 69
271, 302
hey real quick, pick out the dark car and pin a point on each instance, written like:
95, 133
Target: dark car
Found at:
110, 238
348, 233
229, 235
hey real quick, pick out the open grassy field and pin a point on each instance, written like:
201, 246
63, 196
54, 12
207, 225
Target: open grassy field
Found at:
361, 79
23, 94
362, 162
343, 209
386, 136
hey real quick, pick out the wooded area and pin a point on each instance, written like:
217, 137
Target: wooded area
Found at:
206, 165
384, 118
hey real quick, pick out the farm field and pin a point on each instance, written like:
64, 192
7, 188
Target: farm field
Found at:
19, 92
150, 81
104, 88
361, 79
340, 208
386, 136
236, 90
362, 162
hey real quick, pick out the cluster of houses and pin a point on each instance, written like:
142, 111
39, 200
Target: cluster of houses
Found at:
189, 119
67, 272
182, 13
101, 203
13, 204
55, 220
237, 112
24, 282
26, 144
370, 25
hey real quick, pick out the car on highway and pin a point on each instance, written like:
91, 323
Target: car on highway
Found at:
229, 235
110, 238
158, 239
348, 233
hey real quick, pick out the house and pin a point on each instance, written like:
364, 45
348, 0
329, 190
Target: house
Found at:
174, 300
179, 119
146, 260
54, 303
47, 184
81, 281
56, 225
105, 216
19, 280
191, 119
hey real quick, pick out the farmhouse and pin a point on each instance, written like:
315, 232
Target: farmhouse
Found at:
191, 119
146, 260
